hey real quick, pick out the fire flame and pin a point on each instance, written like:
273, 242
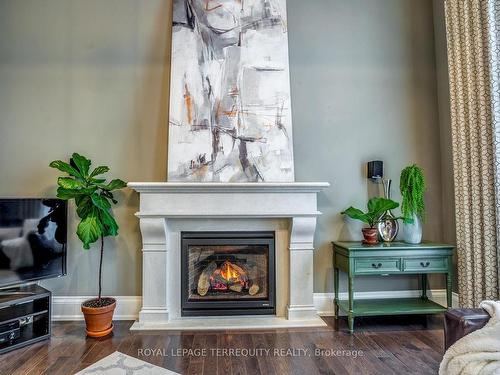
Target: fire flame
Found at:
228, 272
227, 275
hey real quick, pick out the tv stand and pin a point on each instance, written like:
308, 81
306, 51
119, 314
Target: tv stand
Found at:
11, 293
25, 314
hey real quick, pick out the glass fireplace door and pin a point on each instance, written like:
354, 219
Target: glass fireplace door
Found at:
228, 273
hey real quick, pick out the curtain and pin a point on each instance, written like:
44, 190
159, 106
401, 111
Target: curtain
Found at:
472, 39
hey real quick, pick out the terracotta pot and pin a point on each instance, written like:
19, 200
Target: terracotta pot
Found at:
99, 320
370, 235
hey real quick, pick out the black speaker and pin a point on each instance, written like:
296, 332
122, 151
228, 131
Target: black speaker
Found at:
375, 169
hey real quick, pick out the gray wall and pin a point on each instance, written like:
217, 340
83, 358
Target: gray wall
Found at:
363, 87
449, 228
88, 76
444, 122
92, 76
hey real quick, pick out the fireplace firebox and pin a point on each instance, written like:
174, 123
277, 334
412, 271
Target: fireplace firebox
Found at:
227, 273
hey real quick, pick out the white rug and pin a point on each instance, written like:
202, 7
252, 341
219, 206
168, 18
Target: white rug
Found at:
121, 364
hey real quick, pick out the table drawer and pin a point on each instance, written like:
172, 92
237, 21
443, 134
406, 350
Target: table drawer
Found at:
425, 264
377, 265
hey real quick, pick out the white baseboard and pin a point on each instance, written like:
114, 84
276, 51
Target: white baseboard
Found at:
66, 308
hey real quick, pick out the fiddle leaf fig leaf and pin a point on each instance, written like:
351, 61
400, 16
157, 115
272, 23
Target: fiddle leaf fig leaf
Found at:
66, 194
99, 170
79, 199
69, 183
110, 225
84, 206
109, 195
89, 230
82, 163
114, 185
65, 167
100, 202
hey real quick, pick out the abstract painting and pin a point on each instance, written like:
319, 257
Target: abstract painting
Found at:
230, 117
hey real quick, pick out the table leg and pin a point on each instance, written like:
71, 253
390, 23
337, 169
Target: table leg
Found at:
423, 278
336, 286
350, 317
449, 289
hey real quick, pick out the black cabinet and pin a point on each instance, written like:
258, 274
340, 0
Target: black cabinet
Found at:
24, 316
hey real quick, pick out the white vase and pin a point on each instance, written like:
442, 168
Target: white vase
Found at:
412, 233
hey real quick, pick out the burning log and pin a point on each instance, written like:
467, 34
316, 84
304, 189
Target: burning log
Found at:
254, 289
228, 276
236, 288
217, 281
204, 280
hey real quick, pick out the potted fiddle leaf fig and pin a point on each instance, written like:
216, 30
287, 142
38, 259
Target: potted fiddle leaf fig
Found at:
376, 208
93, 198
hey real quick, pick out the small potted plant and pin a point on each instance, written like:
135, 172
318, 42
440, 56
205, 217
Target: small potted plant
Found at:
376, 208
412, 186
93, 198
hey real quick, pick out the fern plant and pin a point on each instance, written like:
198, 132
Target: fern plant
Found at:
412, 187
93, 198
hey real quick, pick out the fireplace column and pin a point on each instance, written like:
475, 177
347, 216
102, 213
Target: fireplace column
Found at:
154, 275
301, 304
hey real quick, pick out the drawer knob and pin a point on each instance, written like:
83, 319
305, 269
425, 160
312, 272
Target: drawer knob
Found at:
376, 265
426, 264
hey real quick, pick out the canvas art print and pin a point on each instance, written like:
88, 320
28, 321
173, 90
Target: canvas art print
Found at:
230, 117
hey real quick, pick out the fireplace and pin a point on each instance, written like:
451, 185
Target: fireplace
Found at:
227, 273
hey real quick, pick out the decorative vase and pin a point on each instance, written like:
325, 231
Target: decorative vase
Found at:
370, 236
388, 226
412, 232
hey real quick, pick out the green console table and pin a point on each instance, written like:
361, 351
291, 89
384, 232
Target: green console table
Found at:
395, 258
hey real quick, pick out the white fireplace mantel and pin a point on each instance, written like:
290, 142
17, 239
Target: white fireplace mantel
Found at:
166, 209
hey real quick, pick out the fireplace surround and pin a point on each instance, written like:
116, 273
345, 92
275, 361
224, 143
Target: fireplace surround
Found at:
168, 209
227, 273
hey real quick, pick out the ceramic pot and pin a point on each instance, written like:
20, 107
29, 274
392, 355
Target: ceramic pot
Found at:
370, 236
99, 320
412, 232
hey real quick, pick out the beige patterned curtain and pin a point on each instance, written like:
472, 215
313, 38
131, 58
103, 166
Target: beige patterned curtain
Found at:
473, 67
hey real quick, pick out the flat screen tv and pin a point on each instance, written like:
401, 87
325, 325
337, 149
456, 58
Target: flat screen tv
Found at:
32, 239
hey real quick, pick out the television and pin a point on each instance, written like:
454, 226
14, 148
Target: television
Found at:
32, 239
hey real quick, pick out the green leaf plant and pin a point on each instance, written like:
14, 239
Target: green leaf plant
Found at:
377, 206
412, 187
93, 199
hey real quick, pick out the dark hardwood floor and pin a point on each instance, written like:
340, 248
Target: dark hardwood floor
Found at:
389, 345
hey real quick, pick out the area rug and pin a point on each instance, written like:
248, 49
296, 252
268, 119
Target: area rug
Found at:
121, 364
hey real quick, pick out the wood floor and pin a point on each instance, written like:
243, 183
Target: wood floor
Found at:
394, 345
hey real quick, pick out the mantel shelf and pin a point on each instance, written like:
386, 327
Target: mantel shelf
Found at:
274, 215
216, 187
